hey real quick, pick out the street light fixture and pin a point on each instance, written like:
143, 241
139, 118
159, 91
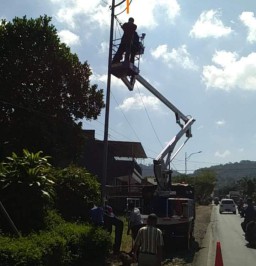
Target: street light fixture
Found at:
187, 158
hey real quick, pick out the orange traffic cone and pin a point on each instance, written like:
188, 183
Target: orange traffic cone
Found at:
218, 258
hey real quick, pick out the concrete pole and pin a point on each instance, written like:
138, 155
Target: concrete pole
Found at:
105, 151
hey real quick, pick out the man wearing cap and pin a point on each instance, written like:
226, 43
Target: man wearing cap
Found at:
134, 220
129, 29
149, 243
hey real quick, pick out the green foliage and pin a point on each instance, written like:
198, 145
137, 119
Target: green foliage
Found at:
26, 189
84, 243
203, 182
65, 245
52, 219
96, 240
45, 90
182, 179
21, 251
247, 186
204, 185
76, 189
228, 174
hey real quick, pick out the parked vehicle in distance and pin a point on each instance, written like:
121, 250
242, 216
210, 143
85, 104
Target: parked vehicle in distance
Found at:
227, 205
235, 195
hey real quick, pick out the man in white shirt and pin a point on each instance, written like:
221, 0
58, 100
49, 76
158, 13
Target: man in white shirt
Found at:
135, 221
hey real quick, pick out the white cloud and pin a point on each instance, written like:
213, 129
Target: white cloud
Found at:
95, 78
102, 81
178, 56
231, 72
160, 52
69, 37
224, 154
209, 25
224, 58
79, 12
138, 102
98, 12
170, 9
250, 22
221, 122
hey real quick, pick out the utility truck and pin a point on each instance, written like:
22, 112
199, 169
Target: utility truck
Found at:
235, 195
174, 204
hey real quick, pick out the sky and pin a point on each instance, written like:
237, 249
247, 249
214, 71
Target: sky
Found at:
200, 55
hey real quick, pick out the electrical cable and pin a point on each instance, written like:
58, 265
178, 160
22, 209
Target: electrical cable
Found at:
149, 117
127, 120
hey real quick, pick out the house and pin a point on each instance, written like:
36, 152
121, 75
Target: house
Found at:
124, 175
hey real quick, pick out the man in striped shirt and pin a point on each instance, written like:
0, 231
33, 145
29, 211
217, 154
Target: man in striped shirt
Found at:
149, 243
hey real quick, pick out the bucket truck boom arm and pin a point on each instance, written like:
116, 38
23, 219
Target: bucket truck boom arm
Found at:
162, 162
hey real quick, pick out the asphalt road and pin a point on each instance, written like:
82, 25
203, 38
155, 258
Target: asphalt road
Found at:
226, 229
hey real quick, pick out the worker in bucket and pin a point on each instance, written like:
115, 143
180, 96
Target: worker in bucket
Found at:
126, 42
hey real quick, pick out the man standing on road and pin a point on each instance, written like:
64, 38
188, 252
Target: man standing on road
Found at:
149, 244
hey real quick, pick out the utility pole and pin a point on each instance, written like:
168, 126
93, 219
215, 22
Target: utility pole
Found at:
105, 151
187, 158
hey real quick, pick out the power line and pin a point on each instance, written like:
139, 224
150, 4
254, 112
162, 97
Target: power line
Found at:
127, 119
149, 117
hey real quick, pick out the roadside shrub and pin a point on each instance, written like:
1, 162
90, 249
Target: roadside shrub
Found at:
96, 240
52, 247
84, 243
75, 189
65, 245
52, 219
19, 251
26, 190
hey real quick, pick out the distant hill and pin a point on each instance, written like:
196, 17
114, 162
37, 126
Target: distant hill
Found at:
231, 172
147, 170
225, 173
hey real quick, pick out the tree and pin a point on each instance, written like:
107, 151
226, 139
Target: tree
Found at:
247, 186
45, 91
26, 189
75, 189
204, 185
